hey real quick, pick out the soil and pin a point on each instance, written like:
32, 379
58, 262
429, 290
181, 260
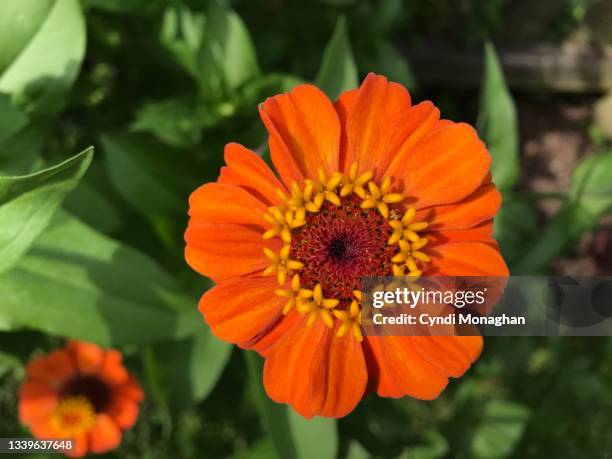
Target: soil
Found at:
554, 137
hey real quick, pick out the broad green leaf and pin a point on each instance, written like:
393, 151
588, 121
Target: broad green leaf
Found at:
338, 71
497, 123
147, 175
178, 121
215, 49
93, 207
11, 118
192, 366
28, 202
20, 152
316, 437
88, 286
182, 33
48, 64
514, 227
19, 21
554, 238
356, 451
592, 184
590, 198
123, 6
292, 435
263, 449
387, 61
436, 447
227, 53
273, 416
500, 430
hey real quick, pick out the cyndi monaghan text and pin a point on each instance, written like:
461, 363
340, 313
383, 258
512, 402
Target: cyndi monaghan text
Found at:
452, 319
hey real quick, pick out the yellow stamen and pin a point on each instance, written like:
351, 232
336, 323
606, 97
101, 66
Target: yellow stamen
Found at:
73, 416
292, 294
281, 263
315, 304
351, 320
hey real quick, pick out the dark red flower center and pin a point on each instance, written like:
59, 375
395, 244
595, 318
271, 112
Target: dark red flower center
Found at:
341, 244
91, 387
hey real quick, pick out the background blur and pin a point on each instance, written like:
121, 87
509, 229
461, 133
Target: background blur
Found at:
158, 87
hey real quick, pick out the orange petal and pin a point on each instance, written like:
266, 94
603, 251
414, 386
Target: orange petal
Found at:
221, 203
221, 251
88, 356
80, 446
131, 389
316, 373
36, 401
105, 434
466, 259
398, 369
264, 342
247, 170
112, 371
124, 411
342, 106
410, 128
53, 368
480, 206
480, 233
371, 119
452, 355
447, 165
304, 133
239, 310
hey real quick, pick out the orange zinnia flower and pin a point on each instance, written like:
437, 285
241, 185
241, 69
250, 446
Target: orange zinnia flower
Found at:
81, 393
368, 186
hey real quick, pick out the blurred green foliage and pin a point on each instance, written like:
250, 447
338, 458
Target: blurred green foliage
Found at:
158, 87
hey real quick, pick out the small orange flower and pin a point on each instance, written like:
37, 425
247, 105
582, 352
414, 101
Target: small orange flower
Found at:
82, 393
368, 186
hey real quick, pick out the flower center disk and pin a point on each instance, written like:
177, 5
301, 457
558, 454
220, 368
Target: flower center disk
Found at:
335, 231
341, 244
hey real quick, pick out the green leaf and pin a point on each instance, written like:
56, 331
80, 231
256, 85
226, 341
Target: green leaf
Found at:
192, 366
182, 33
592, 184
501, 428
387, 61
78, 283
356, 451
590, 198
19, 21
28, 202
554, 238
316, 437
147, 175
497, 123
11, 118
263, 449
292, 435
436, 447
514, 227
178, 121
215, 49
338, 71
45, 67
20, 152
228, 53
93, 207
